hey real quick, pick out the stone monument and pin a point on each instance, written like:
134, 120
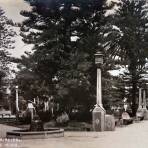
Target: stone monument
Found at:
101, 121
144, 105
140, 111
98, 115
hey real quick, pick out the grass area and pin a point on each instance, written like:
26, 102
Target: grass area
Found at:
71, 126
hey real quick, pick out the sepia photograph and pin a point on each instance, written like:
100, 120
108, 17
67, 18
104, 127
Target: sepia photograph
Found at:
73, 73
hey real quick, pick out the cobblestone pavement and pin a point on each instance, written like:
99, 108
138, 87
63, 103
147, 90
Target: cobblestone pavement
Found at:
131, 136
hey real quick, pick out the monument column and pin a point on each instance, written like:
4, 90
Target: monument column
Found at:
140, 99
98, 115
99, 88
140, 111
144, 105
144, 99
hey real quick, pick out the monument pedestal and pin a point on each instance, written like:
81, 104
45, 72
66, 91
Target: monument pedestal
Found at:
109, 123
140, 113
98, 116
145, 113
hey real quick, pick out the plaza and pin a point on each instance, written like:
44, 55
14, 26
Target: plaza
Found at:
133, 136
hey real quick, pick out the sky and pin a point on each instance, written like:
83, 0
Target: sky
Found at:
12, 10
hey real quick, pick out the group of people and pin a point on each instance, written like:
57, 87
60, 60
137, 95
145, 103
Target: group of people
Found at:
46, 108
46, 104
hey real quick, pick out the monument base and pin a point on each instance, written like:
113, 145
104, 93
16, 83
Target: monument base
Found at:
109, 123
26, 134
140, 114
145, 114
98, 117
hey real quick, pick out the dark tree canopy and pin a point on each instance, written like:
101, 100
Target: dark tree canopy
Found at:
128, 41
66, 34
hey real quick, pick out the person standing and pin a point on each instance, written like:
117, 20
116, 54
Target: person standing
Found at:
31, 109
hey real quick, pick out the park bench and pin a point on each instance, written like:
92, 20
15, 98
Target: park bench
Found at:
122, 118
6, 115
126, 118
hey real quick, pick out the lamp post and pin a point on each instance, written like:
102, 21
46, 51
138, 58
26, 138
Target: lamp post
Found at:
98, 115
8, 92
16, 91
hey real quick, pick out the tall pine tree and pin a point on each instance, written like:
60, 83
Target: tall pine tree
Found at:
6, 42
129, 40
66, 34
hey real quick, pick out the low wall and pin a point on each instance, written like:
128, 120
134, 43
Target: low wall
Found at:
26, 134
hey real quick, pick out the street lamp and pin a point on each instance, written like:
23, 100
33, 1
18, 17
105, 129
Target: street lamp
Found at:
8, 92
98, 114
16, 91
99, 58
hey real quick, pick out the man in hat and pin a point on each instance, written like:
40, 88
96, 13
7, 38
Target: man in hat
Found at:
31, 109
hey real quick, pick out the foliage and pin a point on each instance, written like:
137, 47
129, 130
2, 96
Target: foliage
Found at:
66, 34
128, 40
6, 41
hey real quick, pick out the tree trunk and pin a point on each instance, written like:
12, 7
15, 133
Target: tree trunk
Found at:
134, 90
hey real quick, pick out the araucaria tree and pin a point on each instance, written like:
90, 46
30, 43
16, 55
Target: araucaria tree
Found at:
66, 34
6, 42
129, 40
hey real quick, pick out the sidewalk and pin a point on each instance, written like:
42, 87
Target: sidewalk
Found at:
131, 136
4, 129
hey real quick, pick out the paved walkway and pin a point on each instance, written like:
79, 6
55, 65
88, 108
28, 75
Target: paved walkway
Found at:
4, 129
131, 136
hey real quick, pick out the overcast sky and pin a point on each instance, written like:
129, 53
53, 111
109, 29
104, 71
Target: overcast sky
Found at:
12, 10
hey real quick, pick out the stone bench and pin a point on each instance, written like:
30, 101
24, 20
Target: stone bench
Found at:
126, 118
5, 112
